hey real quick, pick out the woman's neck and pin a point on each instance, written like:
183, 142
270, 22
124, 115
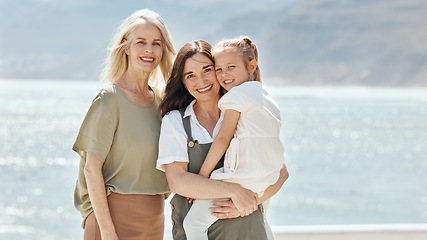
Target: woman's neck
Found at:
135, 82
136, 88
207, 113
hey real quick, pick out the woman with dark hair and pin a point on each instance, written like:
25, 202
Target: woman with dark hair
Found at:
191, 120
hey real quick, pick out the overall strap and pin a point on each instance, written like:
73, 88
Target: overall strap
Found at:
187, 126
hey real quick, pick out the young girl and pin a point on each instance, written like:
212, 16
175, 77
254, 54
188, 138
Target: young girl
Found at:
250, 130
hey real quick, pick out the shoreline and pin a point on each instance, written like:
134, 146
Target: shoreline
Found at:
352, 232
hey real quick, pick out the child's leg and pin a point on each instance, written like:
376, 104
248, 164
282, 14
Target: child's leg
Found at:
198, 220
265, 205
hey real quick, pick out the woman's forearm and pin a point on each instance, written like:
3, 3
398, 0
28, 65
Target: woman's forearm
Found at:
227, 209
273, 189
199, 187
96, 189
192, 185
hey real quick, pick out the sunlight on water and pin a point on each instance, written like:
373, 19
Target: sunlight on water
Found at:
355, 155
345, 93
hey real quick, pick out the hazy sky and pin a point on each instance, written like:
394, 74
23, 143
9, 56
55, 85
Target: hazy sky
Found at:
301, 42
45, 38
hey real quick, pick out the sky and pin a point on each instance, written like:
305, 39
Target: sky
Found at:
300, 42
51, 39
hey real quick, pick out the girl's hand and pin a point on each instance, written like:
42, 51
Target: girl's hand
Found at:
245, 200
224, 209
191, 200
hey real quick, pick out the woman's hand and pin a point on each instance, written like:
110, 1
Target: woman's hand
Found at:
224, 209
245, 200
111, 235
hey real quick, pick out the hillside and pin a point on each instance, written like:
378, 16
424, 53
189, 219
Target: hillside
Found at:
304, 42
331, 42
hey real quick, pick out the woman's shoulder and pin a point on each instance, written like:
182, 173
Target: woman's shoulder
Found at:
158, 95
172, 117
107, 94
157, 91
179, 114
106, 100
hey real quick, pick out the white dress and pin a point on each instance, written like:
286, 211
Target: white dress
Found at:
256, 154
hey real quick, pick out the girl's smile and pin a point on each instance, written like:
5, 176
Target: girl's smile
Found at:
230, 69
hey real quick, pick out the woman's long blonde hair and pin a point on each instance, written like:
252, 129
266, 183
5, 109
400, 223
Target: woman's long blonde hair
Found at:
117, 61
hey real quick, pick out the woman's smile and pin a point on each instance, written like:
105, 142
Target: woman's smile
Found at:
146, 49
199, 78
147, 59
205, 89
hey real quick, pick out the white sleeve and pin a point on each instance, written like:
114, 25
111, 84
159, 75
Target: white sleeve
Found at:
233, 99
172, 141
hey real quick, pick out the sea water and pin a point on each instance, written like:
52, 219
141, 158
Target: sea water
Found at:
355, 155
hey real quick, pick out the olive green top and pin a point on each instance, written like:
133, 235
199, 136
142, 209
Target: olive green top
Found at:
123, 135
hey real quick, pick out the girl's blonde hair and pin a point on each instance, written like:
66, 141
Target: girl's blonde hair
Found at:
117, 61
247, 49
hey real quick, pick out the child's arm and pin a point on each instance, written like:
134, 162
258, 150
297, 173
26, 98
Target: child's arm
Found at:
221, 142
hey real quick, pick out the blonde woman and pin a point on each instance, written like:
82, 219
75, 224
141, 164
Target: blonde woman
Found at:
119, 192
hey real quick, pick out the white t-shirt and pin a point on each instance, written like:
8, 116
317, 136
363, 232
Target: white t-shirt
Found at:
173, 139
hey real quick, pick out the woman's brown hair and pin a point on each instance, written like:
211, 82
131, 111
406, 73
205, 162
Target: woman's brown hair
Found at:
176, 96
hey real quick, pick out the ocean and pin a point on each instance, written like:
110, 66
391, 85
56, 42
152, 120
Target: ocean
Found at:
356, 155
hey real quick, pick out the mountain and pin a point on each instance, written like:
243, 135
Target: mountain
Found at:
304, 42
333, 42
67, 39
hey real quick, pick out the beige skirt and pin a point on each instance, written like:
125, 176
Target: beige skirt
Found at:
135, 216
